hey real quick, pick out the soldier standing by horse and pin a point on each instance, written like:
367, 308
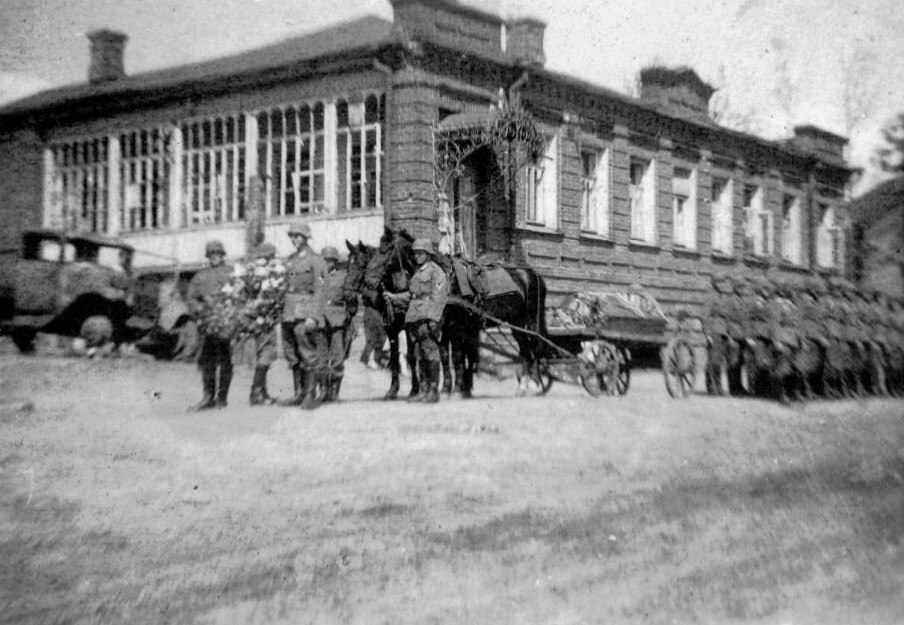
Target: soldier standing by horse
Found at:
337, 316
426, 300
306, 274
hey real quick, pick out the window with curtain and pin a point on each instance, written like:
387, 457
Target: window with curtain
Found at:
595, 192
642, 198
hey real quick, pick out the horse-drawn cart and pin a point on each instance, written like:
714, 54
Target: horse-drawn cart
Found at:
590, 340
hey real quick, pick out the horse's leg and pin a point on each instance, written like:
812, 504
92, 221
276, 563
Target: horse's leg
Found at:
471, 340
415, 363
458, 361
445, 355
394, 367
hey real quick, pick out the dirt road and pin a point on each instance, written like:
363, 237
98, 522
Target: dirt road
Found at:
117, 506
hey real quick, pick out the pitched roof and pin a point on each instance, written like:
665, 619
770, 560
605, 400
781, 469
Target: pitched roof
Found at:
873, 205
369, 32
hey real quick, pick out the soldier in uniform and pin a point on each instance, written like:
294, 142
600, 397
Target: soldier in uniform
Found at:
426, 300
808, 357
302, 321
264, 346
337, 317
723, 350
215, 359
737, 306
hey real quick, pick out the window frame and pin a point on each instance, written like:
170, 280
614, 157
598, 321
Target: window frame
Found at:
596, 192
688, 241
643, 229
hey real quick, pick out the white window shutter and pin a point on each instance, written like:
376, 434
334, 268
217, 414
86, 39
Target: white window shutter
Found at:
551, 184
600, 197
649, 202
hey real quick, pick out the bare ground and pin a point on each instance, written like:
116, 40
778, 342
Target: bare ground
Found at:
117, 506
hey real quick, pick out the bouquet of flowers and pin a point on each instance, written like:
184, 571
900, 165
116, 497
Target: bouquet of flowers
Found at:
250, 304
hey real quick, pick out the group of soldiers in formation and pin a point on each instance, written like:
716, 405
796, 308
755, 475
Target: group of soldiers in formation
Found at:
801, 340
315, 324
804, 339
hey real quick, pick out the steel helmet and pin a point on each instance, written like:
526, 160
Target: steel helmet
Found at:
214, 247
300, 228
422, 245
330, 252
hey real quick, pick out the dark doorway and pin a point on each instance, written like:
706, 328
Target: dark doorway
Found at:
482, 221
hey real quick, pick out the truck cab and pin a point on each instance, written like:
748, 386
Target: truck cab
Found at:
71, 285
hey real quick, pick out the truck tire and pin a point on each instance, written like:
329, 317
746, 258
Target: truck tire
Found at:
97, 330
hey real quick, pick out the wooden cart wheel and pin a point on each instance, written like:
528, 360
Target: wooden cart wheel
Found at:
623, 382
678, 368
590, 380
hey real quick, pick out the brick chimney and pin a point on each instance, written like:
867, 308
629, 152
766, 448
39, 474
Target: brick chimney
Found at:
451, 24
524, 41
679, 89
107, 47
820, 142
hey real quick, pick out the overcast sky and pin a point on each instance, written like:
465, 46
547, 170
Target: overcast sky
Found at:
785, 60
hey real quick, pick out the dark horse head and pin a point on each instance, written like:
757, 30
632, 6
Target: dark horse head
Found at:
391, 265
358, 257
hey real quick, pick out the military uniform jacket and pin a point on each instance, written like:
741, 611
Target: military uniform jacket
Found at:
206, 284
715, 322
306, 275
427, 293
332, 300
785, 317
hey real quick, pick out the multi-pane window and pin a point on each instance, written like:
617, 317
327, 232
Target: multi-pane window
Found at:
721, 209
791, 229
642, 194
595, 192
542, 194
684, 207
757, 222
144, 182
80, 184
359, 152
213, 170
829, 238
291, 157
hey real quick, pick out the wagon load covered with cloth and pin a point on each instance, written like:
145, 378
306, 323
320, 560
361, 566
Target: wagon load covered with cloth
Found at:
603, 328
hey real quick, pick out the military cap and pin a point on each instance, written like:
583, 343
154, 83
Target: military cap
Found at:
214, 247
300, 228
422, 245
330, 252
264, 250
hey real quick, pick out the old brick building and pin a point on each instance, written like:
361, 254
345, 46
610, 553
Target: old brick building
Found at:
342, 128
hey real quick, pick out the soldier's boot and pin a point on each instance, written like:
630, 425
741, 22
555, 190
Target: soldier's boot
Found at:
209, 383
310, 401
432, 394
259, 396
333, 390
298, 387
223, 390
419, 392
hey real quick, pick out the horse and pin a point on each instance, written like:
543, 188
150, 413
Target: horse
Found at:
368, 280
522, 307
